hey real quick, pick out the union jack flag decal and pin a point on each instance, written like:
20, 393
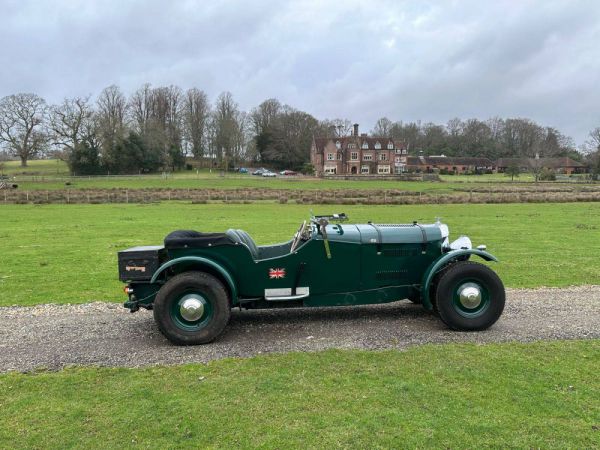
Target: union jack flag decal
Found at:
276, 273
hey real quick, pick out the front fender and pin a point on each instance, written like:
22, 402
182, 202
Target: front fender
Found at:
199, 261
440, 263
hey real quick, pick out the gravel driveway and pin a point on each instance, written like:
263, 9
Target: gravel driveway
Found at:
105, 334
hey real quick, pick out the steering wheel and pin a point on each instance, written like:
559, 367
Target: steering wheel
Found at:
298, 236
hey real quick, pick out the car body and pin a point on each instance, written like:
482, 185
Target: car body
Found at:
259, 172
194, 279
269, 174
243, 170
288, 173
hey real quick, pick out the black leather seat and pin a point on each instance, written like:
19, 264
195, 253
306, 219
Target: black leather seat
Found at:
243, 238
195, 239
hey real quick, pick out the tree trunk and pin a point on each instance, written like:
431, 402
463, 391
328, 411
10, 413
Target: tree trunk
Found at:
23, 161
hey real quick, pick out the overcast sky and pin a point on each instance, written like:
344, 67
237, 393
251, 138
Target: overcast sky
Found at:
407, 60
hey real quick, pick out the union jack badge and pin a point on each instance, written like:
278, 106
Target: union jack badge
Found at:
276, 273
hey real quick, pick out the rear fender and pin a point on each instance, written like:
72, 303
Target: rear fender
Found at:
440, 263
198, 262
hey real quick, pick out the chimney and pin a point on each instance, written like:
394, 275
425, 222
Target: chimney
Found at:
355, 129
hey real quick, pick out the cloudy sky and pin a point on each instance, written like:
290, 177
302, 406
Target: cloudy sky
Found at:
407, 60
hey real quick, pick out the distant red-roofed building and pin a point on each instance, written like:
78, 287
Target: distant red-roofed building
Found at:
564, 165
453, 164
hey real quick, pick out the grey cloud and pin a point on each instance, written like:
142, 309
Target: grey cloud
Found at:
408, 60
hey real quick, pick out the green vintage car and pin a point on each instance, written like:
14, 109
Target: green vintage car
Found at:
194, 280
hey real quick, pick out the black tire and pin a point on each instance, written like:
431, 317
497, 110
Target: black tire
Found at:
197, 287
469, 313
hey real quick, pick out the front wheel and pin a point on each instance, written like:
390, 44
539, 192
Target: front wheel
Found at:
469, 296
192, 308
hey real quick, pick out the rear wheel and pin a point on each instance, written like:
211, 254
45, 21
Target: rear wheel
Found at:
469, 296
192, 308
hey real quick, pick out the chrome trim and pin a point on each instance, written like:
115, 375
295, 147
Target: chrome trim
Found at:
191, 307
462, 243
469, 295
282, 294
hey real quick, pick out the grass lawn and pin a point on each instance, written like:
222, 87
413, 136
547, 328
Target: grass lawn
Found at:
206, 180
37, 167
67, 253
53, 174
446, 396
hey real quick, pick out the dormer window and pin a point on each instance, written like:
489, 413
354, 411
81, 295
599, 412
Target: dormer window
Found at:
338, 144
390, 145
365, 145
377, 146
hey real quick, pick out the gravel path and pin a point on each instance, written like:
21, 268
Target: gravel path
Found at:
105, 334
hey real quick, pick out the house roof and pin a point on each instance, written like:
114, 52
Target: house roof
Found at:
448, 161
551, 163
358, 141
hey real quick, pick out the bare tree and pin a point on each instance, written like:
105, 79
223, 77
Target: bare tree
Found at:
71, 122
592, 148
196, 114
265, 115
112, 111
141, 105
22, 118
226, 127
337, 127
383, 127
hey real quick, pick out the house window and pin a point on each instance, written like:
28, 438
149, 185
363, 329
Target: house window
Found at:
383, 169
368, 157
339, 156
330, 169
365, 145
351, 145
338, 144
364, 169
382, 157
377, 146
329, 156
354, 156
390, 146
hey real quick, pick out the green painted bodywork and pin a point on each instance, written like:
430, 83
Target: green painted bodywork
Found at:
369, 264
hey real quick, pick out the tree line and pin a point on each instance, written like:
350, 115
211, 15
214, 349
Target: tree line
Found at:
156, 128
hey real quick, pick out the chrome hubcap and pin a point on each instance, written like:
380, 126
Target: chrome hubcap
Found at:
191, 307
469, 295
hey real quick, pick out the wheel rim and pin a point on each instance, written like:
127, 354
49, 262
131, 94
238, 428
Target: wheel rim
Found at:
191, 311
470, 298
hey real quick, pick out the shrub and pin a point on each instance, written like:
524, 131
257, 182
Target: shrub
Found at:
547, 175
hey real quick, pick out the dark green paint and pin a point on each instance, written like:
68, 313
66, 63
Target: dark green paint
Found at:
368, 265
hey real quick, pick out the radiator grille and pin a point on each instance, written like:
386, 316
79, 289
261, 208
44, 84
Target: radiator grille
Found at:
399, 252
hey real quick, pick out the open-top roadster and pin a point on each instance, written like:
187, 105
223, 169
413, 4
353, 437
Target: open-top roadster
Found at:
194, 279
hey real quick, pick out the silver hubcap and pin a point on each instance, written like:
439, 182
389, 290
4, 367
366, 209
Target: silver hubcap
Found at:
469, 295
191, 308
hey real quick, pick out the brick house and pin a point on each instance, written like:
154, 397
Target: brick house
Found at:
454, 164
357, 155
564, 165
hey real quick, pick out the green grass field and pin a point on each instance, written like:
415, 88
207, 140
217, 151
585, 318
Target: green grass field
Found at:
67, 253
542, 395
53, 174
37, 167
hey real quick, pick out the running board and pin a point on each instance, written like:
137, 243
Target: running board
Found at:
285, 294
